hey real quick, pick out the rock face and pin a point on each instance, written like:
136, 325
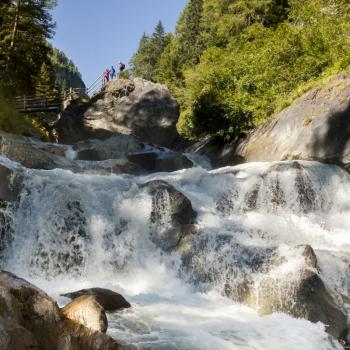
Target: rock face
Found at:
114, 147
119, 154
138, 107
315, 127
32, 154
11, 183
109, 300
172, 217
267, 279
31, 320
88, 312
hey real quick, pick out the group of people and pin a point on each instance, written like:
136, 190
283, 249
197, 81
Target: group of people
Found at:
110, 74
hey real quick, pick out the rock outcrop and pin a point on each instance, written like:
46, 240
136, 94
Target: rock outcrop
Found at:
119, 154
31, 320
31, 153
109, 300
138, 107
315, 127
268, 279
172, 217
87, 311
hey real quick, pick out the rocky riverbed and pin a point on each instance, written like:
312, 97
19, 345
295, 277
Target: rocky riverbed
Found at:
138, 245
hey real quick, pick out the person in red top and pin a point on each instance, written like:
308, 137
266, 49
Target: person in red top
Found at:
106, 75
121, 66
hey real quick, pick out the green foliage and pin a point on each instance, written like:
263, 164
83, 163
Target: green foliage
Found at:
26, 26
145, 60
45, 85
28, 63
255, 56
124, 75
13, 122
67, 74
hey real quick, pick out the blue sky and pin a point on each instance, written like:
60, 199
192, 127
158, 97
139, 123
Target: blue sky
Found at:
98, 33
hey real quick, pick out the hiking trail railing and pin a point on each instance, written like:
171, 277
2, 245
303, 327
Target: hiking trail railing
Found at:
34, 104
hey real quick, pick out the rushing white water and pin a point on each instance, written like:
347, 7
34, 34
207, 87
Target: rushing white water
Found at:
72, 231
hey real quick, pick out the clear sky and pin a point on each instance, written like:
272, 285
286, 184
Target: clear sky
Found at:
98, 33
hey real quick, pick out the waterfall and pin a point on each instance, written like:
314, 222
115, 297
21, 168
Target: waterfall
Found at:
255, 225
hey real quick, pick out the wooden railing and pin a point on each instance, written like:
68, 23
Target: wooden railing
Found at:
33, 104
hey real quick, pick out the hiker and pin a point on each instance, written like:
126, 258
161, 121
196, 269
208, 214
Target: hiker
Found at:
112, 73
106, 75
121, 67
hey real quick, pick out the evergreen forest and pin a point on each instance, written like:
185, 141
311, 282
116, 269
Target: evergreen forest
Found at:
29, 65
232, 64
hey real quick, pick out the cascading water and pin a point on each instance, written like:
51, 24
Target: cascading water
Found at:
253, 223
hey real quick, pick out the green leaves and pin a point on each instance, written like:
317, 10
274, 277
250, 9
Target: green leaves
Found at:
144, 63
262, 54
25, 27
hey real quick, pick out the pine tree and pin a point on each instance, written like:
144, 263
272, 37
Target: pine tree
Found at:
144, 62
45, 85
189, 33
26, 26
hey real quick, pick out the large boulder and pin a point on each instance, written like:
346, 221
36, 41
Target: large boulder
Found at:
172, 217
138, 107
109, 300
280, 279
33, 153
31, 320
315, 127
114, 147
88, 312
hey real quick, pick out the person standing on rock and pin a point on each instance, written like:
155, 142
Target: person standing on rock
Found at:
121, 67
112, 73
106, 75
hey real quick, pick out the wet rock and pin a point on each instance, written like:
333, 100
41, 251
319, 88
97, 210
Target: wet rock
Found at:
267, 279
172, 216
114, 147
32, 153
300, 293
305, 297
146, 161
285, 185
10, 184
173, 162
88, 312
15, 337
167, 162
109, 300
112, 166
31, 320
138, 107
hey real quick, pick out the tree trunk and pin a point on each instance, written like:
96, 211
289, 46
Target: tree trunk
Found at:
14, 33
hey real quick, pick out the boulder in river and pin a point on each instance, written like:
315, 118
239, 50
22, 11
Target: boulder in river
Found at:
109, 300
270, 280
32, 153
88, 312
31, 320
167, 162
172, 216
138, 107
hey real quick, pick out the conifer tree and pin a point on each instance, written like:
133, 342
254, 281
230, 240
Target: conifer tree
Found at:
45, 85
26, 26
145, 60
